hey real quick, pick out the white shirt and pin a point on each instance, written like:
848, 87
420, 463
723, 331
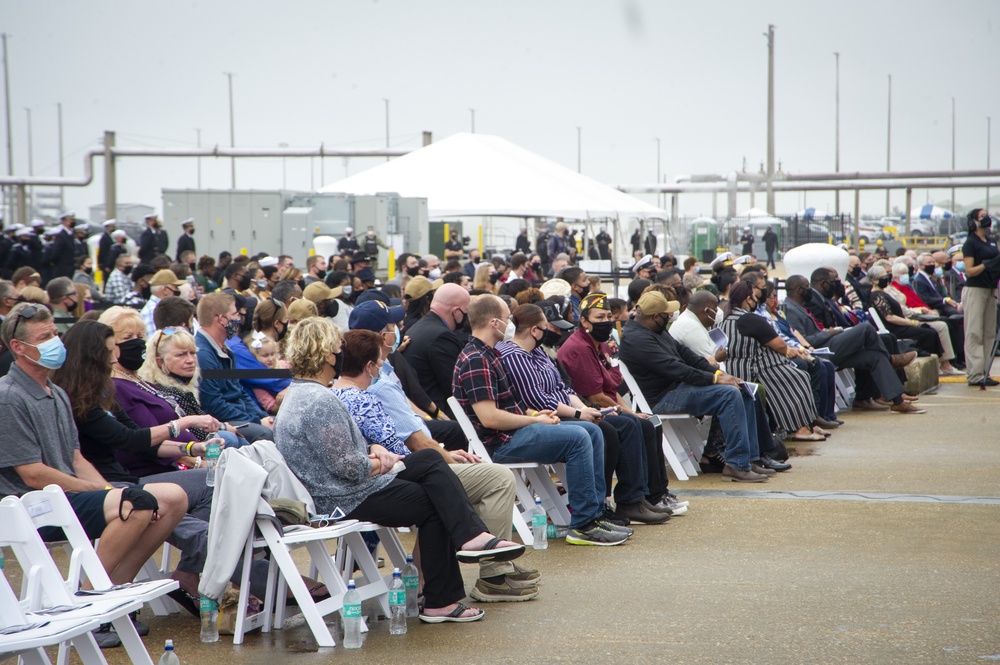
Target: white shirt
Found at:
690, 332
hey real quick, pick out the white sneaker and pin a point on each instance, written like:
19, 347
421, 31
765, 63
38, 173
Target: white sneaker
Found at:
676, 507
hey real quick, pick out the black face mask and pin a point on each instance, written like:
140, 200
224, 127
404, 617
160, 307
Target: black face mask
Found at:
332, 309
884, 282
284, 329
601, 331
807, 296
180, 379
244, 282
584, 293
131, 354
414, 271
910, 270
88, 270
475, 261
338, 364
661, 325
535, 267
127, 269
146, 292
930, 269
986, 222
494, 278
856, 271
839, 291
947, 266
550, 337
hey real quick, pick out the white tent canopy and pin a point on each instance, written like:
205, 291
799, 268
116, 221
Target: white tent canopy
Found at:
482, 175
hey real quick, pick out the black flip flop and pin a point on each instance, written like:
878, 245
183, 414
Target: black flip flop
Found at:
184, 599
491, 552
455, 616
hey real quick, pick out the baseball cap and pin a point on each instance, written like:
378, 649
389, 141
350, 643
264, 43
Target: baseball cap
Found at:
374, 294
374, 315
365, 275
418, 287
302, 309
166, 277
552, 315
654, 302
318, 292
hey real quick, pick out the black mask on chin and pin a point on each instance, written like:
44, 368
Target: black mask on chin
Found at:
550, 337
338, 364
181, 379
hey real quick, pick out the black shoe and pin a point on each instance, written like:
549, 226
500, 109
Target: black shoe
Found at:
106, 636
990, 382
713, 465
610, 516
141, 627
773, 464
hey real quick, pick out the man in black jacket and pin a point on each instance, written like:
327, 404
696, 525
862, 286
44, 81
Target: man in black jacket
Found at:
154, 240
434, 345
186, 242
61, 253
675, 379
105, 261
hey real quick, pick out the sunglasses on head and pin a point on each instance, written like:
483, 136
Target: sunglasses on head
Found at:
26, 313
166, 332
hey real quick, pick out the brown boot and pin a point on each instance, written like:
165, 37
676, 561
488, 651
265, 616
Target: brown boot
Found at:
907, 407
901, 360
738, 476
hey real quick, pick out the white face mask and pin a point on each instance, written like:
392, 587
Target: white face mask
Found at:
509, 331
434, 274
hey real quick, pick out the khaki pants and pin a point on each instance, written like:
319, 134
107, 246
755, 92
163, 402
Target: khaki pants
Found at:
491, 490
980, 308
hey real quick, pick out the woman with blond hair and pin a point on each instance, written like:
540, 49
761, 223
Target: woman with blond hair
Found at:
486, 279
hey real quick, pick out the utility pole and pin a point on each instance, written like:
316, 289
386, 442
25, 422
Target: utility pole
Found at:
232, 127
888, 146
770, 119
953, 206
6, 97
284, 173
386, 124
62, 193
988, 128
579, 150
836, 193
473, 112
659, 195
198, 135
31, 163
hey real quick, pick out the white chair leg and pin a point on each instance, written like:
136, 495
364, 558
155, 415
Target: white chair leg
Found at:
136, 650
672, 459
86, 647
241, 609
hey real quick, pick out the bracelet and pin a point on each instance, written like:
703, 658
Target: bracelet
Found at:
197, 462
188, 447
108, 487
532, 413
437, 412
172, 429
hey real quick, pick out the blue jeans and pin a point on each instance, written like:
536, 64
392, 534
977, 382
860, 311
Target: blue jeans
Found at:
580, 445
731, 407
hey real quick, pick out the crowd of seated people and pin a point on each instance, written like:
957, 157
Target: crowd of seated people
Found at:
114, 393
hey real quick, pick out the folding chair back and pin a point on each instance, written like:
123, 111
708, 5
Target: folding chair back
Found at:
682, 444
877, 320
530, 478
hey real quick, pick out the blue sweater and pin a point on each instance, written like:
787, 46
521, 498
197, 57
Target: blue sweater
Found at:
224, 398
245, 359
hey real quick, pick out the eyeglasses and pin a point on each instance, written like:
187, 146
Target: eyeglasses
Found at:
166, 332
26, 313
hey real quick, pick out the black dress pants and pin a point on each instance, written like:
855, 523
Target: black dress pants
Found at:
428, 494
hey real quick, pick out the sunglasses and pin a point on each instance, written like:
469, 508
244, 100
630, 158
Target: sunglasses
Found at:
26, 313
166, 332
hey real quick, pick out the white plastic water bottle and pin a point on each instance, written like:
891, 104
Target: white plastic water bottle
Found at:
352, 617
213, 449
209, 620
539, 526
169, 657
411, 582
397, 604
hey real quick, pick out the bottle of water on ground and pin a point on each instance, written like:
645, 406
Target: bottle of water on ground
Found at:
169, 657
352, 617
539, 526
397, 604
213, 448
209, 620
411, 582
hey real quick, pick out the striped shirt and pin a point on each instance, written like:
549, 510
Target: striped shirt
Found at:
480, 377
534, 376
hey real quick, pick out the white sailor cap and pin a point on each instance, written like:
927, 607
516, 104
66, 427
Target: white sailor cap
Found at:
348, 230
108, 222
642, 263
721, 258
118, 234
741, 260
82, 226
188, 222
24, 231
268, 261
954, 249
36, 223
843, 246
13, 229
68, 213
151, 215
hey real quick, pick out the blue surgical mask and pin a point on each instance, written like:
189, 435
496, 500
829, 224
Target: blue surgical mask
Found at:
51, 353
347, 290
904, 280
939, 272
960, 266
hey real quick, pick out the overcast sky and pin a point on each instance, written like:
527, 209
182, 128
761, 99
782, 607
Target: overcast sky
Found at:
693, 74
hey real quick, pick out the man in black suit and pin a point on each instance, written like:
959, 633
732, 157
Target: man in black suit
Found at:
154, 240
928, 284
104, 259
856, 347
60, 255
186, 242
435, 345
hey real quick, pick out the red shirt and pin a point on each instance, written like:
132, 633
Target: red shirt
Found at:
589, 366
912, 299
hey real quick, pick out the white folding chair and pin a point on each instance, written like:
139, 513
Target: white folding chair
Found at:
46, 590
682, 444
164, 605
846, 388
528, 476
283, 574
877, 320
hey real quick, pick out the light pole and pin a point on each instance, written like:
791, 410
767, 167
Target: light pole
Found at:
988, 128
232, 127
62, 203
197, 133
579, 150
770, 118
888, 145
953, 207
659, 196
386, 125
284, 175
836, 165
473, 113
31, 164
6, 97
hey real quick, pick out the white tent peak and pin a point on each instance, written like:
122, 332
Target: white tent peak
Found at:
483, 175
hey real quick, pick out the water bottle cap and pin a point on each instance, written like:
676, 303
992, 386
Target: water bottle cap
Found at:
350, 584
409, 558
538, 500
168, 645
395, 572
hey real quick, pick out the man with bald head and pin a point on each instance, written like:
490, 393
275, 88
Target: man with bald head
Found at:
928, 282
436, 340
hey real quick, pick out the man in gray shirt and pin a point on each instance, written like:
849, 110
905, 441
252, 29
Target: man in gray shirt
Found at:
39, 447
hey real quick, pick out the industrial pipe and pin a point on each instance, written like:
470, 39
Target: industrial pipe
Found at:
799, 186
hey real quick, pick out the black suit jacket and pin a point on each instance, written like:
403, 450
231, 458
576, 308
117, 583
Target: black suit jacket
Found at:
184, 243
930, 291
432, 354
